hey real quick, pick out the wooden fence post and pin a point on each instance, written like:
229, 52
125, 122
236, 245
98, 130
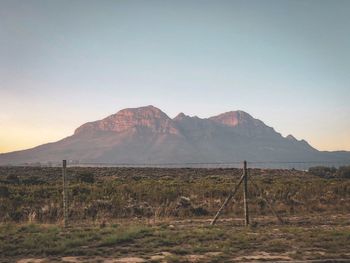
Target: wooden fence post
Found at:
230, 196
245, 193
64, 193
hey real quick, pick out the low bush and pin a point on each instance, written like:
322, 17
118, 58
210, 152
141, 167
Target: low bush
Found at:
4, 191
32, 180
12, 179
323, 171
86, 178
343, 172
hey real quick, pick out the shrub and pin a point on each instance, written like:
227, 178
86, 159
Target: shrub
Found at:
86, 178
16, 215
323, 171
343, 172
12, 179
32, 180
4, 191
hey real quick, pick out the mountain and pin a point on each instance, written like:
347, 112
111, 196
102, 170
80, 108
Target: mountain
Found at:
146, 135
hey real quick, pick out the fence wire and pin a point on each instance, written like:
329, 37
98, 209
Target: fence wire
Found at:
297, 165
97, 193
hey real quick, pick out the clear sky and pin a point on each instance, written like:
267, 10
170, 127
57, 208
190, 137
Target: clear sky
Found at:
63, 63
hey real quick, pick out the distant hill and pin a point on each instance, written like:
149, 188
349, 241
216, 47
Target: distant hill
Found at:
148, 135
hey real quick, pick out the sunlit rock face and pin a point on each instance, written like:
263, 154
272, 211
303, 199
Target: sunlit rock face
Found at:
148, 117
233, 118
244, 123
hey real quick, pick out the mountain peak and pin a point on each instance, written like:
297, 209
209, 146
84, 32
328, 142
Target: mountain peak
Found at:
145, 111
181, 116
143, 108
232, 118
291, 137
147, 117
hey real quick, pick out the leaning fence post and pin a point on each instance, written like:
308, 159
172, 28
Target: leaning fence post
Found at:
64, 193
245, 193
230, 196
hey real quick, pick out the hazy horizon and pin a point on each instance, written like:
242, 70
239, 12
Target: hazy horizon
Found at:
65, 63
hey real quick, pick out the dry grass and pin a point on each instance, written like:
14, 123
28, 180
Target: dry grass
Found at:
141, 192
310, 238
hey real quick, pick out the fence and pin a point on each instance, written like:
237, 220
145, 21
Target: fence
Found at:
298, 165
157, 190
243, 179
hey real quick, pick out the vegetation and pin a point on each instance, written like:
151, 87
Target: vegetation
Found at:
323, 171
330, 172
35, 194
178, 242
344, 172
163, 215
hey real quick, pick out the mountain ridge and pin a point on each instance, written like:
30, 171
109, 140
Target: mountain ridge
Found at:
148, 135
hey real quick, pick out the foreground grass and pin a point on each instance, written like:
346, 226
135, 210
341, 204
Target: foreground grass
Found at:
33, 239
223, 241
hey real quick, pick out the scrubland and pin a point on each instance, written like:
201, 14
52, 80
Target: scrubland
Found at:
163, 215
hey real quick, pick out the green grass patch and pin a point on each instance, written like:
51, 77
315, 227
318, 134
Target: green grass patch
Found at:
121, 235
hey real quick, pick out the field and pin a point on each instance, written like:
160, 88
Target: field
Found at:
163, 215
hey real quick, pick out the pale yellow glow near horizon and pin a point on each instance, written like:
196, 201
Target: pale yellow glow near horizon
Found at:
15, 139
340, 142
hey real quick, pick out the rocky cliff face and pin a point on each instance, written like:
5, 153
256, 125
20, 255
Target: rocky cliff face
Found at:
154, 120
148, 135
233, 118
149, 117
244, 124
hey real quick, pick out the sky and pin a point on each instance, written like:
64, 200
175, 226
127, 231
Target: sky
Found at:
64, 63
